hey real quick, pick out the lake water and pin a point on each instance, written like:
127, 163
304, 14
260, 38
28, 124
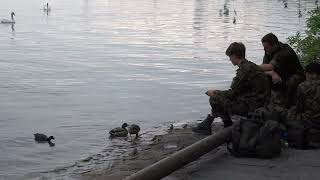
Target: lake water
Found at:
90, 65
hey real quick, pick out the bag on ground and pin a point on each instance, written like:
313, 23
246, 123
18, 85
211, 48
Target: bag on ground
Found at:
257, 135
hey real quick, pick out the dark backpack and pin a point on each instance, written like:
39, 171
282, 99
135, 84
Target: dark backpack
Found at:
303, 134
256, 136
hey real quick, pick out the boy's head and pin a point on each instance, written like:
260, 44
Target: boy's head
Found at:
236, 51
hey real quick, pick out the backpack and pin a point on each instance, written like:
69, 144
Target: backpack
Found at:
303, 134
256, 135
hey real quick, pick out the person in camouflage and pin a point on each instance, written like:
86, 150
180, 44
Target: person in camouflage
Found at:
282, 65
304, 116
249, 90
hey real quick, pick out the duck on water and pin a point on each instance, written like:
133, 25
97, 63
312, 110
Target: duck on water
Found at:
42, 138
119, 131
124, 130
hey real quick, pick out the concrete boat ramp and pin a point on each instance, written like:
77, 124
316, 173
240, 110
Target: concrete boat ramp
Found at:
218, 164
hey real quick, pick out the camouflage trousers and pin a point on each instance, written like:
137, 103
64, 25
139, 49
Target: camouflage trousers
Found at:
225, 107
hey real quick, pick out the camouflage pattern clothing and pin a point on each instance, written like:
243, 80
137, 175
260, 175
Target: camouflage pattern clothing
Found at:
287, 65
249, 90
307, 107
306, 112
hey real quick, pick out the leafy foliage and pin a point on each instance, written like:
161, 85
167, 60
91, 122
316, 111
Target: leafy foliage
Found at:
308, 45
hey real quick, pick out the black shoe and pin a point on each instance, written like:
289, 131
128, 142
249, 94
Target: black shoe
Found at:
205, 126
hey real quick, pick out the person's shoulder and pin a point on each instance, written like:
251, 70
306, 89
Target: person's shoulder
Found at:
309, 84
248, 66
286, 48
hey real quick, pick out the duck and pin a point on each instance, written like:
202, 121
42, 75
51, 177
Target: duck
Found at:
42, 138
171, 127
133, 129
119, 131
7, 21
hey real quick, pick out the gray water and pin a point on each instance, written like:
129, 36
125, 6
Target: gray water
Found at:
90, 65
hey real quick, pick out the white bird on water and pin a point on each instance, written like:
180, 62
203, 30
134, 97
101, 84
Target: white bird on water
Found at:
46, 8
7, 21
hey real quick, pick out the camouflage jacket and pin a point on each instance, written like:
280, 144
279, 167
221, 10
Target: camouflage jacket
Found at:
307, 107
250, 85
285, 62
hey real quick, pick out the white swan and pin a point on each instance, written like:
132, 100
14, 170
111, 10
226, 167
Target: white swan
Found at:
47, 8
7, 21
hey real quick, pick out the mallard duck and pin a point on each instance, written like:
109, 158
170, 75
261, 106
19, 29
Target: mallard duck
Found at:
133, 129
119, 131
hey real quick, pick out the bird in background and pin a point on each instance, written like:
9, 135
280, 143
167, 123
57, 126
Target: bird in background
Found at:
46, 7
7, 21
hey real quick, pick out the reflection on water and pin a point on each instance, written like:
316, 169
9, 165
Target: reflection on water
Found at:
88, 66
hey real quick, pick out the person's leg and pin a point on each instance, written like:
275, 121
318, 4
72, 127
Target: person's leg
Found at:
291, 87
217, 106
233, 108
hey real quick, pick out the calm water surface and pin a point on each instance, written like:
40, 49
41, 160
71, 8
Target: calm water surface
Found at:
90, 65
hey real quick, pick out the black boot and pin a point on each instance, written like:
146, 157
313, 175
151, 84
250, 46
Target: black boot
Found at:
205, 126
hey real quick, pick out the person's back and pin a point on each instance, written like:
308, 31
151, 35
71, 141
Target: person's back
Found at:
255, 88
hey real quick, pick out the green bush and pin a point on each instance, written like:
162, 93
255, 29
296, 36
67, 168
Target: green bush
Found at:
308, 45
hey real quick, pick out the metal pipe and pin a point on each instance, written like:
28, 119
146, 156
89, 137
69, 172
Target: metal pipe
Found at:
180, 158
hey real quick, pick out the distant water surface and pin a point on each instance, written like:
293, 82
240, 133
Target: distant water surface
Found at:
90, 65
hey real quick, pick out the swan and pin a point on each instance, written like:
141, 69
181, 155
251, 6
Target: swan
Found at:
119, 131
46, 8
7, 21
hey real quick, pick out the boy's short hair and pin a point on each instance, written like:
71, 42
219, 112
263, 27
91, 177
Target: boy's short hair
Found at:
313, 68
236, 48
270, 38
